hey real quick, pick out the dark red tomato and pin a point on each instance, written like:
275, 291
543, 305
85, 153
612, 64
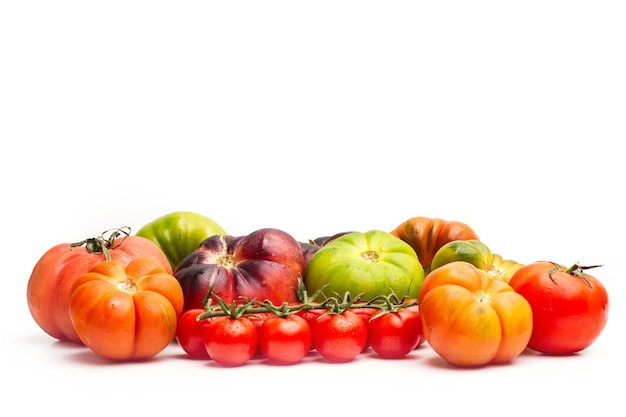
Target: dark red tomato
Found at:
339, 337
395, 334
231, 341
415, 309
190, 333
285, 340
570, 307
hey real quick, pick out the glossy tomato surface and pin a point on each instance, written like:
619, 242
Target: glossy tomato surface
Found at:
394, 334
339, 337
126, 312
285, 340
48, 291
570, 307
471, 319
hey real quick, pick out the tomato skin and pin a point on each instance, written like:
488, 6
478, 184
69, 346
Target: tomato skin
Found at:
285, 340
427, 235
395, 334
416, 310
266, 264
372, 263
231, 341
568, 313
339, 337
190, 333
179, 233
366, 313
471, 319
49, 285
126, 312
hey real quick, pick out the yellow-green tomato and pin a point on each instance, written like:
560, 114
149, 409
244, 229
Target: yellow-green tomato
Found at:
478, 254
179, 233
369, 263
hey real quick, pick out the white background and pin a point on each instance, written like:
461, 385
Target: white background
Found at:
313, 117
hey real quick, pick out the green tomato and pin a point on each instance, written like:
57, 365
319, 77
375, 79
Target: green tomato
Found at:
478, 254
179, 233
370, 264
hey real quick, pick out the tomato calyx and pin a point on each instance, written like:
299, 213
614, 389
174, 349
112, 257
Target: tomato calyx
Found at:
105, 242
576, 270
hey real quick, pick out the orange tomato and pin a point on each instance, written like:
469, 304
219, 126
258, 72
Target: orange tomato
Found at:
124, 313
48, 292
427, 235
472, 319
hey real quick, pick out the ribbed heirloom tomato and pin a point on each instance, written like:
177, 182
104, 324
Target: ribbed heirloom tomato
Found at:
472, 319
48, 292
124, 313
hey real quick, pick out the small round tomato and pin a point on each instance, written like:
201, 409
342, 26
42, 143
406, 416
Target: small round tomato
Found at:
126, 313
190, 333
339, 337
472, 319
366, 313
394, 334
231, 341
570, 307
285, 340
416, 310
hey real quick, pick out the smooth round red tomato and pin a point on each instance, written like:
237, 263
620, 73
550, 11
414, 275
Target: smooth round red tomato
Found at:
190, 333
472, 319
231, 341
285, 340
48, 292
126, 312
394, 334
339, 337
366, 313
570, 307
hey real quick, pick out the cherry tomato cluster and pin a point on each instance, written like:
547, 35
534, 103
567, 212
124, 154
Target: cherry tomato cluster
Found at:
339, 330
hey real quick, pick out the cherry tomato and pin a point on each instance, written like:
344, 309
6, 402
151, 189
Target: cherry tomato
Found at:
231, 341
339, 337
416, 309
570, 307
190, 333
366, 313
394, 334
285, 340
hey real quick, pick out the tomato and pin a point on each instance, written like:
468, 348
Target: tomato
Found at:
478, 254
179, 233
339, 337
231, 341
394, 334
266, 265
416, 310
48, 292
427, 235
190, 333
570, 307
372, 263
285, 340
126, 312
471, 319
366, 313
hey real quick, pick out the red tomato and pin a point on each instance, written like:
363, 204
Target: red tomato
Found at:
190, 333
570, 308
285, 340
366, 313
124, 313
48, 292
231, 341
339, 337
394, 334
416, 309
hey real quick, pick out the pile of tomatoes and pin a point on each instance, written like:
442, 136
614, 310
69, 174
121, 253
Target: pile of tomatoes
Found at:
181, 279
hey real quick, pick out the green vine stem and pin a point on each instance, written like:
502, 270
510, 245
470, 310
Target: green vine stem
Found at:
576, 270
105, 242
333, 305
